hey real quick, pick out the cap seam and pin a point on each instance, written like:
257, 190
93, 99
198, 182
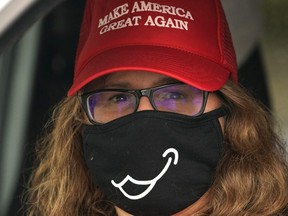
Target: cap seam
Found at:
219, 36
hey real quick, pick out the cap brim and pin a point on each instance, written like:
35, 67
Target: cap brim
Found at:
189, 68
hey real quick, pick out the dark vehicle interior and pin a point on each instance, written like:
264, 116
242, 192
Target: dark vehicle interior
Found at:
36, 64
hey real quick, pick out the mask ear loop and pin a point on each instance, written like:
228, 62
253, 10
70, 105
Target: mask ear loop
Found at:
226, 106
225, 103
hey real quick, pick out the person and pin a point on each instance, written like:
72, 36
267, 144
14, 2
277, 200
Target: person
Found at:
155, 122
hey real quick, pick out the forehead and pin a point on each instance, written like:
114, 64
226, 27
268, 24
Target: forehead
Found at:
129, 80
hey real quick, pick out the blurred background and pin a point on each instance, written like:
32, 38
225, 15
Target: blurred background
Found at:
275, 53
37, 71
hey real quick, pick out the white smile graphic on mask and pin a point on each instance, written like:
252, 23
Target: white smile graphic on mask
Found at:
151, 182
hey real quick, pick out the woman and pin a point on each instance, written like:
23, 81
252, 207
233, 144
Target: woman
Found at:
155, 123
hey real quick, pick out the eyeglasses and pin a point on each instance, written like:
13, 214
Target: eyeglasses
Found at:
102, 106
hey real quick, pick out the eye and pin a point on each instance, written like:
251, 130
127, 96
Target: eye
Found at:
175, 95
171, 96
119, 98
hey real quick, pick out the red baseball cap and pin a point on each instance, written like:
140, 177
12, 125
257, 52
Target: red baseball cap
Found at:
188, 40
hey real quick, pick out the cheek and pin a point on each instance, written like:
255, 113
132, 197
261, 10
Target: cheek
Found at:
213, 102
85, 119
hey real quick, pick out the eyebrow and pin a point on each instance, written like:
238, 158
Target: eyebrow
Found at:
165, 80
129, 85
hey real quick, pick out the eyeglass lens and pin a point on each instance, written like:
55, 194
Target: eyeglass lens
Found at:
181, 99
109, 105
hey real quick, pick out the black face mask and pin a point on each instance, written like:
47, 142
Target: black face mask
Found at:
154, 163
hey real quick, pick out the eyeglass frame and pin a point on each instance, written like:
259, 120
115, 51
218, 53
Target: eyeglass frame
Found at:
138, 93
